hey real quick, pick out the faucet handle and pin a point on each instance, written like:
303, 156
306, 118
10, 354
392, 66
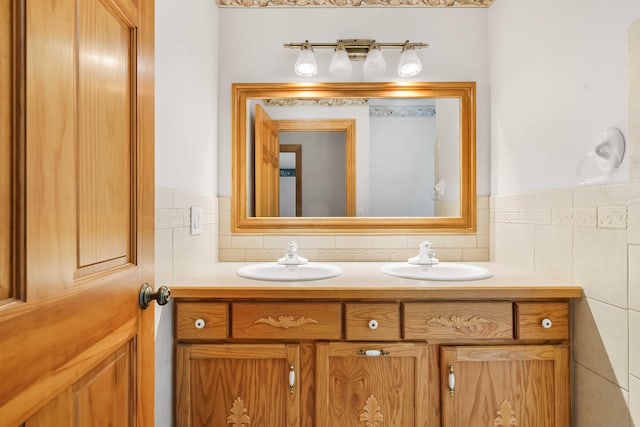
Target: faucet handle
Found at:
292, 248
426, 244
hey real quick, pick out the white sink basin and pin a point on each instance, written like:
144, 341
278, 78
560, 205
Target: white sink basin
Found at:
444, 271
275, 272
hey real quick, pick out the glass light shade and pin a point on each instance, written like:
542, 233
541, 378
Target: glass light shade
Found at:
409, 64
374, 64
340, 65
306, 65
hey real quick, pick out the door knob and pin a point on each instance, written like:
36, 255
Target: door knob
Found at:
161, 296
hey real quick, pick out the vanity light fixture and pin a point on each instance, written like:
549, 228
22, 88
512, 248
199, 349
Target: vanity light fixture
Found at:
367, 50
306, 65
409, 64
340, 65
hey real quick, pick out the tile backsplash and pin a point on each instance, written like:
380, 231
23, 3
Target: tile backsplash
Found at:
361, 247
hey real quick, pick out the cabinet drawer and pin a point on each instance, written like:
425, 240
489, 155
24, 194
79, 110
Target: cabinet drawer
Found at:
287, 320
370, 322
452, 320
542, 320
201, 320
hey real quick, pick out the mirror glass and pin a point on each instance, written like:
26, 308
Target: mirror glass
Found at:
327, 157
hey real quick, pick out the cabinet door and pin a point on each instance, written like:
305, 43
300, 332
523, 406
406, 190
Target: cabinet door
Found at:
238, 385
524, 386
386, 388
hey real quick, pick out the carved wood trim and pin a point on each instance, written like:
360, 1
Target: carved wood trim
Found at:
286, 322
457, 321
355, 3
371, 413
239, 416
506, 415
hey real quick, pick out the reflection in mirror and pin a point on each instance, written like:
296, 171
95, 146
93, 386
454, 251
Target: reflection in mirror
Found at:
290, 180
323, 191
375, 156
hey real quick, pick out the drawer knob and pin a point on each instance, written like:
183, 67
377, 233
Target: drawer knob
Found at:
373, 325
199, 323
546, 323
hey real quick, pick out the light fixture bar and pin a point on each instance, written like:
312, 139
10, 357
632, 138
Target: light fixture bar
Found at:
357, 49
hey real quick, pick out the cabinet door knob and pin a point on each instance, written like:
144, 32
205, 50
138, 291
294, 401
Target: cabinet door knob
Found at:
199, 323
546, 323
373, 324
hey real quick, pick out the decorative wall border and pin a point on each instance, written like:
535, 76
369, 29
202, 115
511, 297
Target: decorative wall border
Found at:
355, 3
615, 217
181, 217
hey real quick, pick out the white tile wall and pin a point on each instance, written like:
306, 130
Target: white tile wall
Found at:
633, 140
598, 402
634, 343
601, 335
177, 252
554, 251
634, 400
600, 264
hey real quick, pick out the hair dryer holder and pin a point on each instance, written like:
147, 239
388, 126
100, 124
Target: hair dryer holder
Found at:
607, 155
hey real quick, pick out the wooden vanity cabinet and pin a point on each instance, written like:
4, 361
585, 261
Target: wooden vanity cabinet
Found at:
375, 363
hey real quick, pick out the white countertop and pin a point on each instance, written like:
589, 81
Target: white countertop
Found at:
366, 280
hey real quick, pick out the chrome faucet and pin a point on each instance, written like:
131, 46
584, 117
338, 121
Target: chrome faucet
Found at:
292, 257
426, 256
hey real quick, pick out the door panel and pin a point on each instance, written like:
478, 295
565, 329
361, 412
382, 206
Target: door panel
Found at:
58, 411
105, 121
386, 390
238, 384
517, 385
76, 346
111, 379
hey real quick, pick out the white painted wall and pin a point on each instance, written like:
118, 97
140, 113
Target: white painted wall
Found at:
558, 80
186, 128
251, 51
186, 95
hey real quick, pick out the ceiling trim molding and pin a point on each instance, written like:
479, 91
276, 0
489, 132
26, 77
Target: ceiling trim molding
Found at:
355, 3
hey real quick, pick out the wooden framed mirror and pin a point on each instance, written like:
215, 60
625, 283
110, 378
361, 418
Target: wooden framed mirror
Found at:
413, 155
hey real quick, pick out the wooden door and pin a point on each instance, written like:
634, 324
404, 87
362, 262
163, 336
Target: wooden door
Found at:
388, 390
238, 385
267, 162
76, 349
524, 386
